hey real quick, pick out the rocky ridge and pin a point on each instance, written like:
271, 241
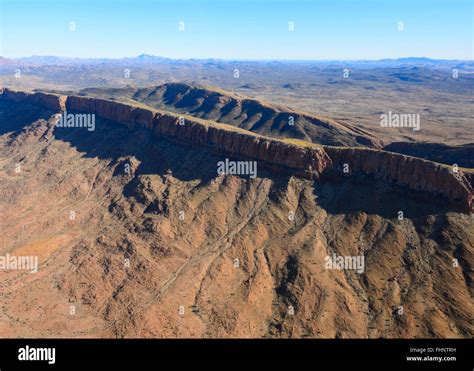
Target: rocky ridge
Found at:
303, 159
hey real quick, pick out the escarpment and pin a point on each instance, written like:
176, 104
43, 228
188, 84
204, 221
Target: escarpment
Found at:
307, 161
48, 101
303, 159
415, 173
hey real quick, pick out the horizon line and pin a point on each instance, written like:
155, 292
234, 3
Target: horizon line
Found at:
237, 59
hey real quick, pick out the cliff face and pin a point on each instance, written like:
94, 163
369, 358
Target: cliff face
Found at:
49, 101
411, 172
307, 161
462, 155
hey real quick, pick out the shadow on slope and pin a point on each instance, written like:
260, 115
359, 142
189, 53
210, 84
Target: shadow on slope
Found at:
350, 194
15, 117
462, 155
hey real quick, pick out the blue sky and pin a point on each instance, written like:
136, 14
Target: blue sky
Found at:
243, 29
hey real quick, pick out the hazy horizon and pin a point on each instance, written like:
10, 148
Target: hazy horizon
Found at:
239, 60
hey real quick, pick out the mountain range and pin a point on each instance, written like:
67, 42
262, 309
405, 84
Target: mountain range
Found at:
138, 235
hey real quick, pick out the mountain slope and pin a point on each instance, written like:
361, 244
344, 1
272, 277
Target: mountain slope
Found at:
243, 112
171, 249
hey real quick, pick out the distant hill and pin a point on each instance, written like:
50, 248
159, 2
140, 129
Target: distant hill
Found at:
153, 59
241, 111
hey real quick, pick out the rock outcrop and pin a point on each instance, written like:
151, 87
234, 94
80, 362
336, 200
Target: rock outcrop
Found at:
304, 159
